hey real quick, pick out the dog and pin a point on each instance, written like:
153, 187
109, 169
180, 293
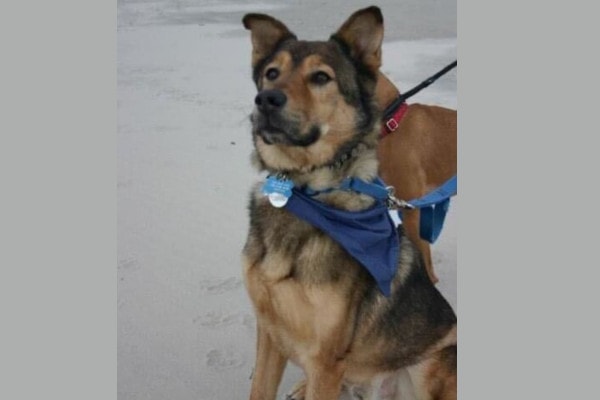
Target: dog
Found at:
316, 124
418, 156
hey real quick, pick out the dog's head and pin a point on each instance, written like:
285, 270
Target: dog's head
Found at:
315, 99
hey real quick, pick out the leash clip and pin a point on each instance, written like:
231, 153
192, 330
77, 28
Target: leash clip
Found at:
394, 203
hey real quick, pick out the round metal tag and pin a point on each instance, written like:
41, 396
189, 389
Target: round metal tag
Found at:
277, 199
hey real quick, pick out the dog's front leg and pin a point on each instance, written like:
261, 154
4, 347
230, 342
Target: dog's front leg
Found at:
269, 367
324, 380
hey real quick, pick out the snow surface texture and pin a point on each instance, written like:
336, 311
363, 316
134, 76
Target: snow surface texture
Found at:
185, 324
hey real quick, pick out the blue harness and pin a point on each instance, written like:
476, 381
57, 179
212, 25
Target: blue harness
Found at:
370, 235
434, 207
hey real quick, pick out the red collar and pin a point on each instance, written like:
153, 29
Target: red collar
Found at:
392, 123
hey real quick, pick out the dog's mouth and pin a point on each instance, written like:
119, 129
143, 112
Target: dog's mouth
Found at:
272, 135
273, 132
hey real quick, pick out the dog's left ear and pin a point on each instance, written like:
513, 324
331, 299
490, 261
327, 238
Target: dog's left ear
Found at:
266, 34
363, 34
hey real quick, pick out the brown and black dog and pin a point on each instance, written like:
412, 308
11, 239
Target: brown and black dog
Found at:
417, 157
317, 122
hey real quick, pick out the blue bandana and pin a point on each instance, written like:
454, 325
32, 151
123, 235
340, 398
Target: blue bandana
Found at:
369, 236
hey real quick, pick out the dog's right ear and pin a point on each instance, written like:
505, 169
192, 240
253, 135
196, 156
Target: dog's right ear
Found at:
266, 34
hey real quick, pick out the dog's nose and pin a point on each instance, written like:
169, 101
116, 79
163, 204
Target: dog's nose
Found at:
270, 100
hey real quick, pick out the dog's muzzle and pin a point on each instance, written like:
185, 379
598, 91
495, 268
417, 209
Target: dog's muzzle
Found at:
274, 127
268, 101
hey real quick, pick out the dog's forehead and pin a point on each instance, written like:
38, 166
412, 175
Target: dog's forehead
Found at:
328, 52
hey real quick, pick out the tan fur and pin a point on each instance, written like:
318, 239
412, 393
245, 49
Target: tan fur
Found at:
432, 379
417, 158
308, 326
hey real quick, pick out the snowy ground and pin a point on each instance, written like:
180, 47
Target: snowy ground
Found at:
185, 326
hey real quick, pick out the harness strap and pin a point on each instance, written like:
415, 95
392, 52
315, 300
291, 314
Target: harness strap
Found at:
432, 220
447, 190
434, 207
375, 189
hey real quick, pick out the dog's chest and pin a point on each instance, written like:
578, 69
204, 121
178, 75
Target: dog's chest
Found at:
284, 247
281, 246
297, 277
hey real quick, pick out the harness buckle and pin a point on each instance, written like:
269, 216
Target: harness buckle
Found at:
392, 124
394, 203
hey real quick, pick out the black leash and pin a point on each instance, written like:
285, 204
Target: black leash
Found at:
402, 98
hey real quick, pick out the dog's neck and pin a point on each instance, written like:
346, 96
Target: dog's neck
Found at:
339, 164
362, 165
360, 162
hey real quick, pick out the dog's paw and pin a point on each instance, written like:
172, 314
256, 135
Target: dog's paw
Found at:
298, 391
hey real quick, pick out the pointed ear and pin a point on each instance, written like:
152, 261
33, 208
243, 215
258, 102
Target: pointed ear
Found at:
363, 34
266, 34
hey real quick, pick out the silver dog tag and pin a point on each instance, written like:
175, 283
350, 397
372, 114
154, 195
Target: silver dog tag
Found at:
278, 200
278, 190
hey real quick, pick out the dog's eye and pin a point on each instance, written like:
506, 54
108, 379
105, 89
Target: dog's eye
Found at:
272, 74
320, 78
